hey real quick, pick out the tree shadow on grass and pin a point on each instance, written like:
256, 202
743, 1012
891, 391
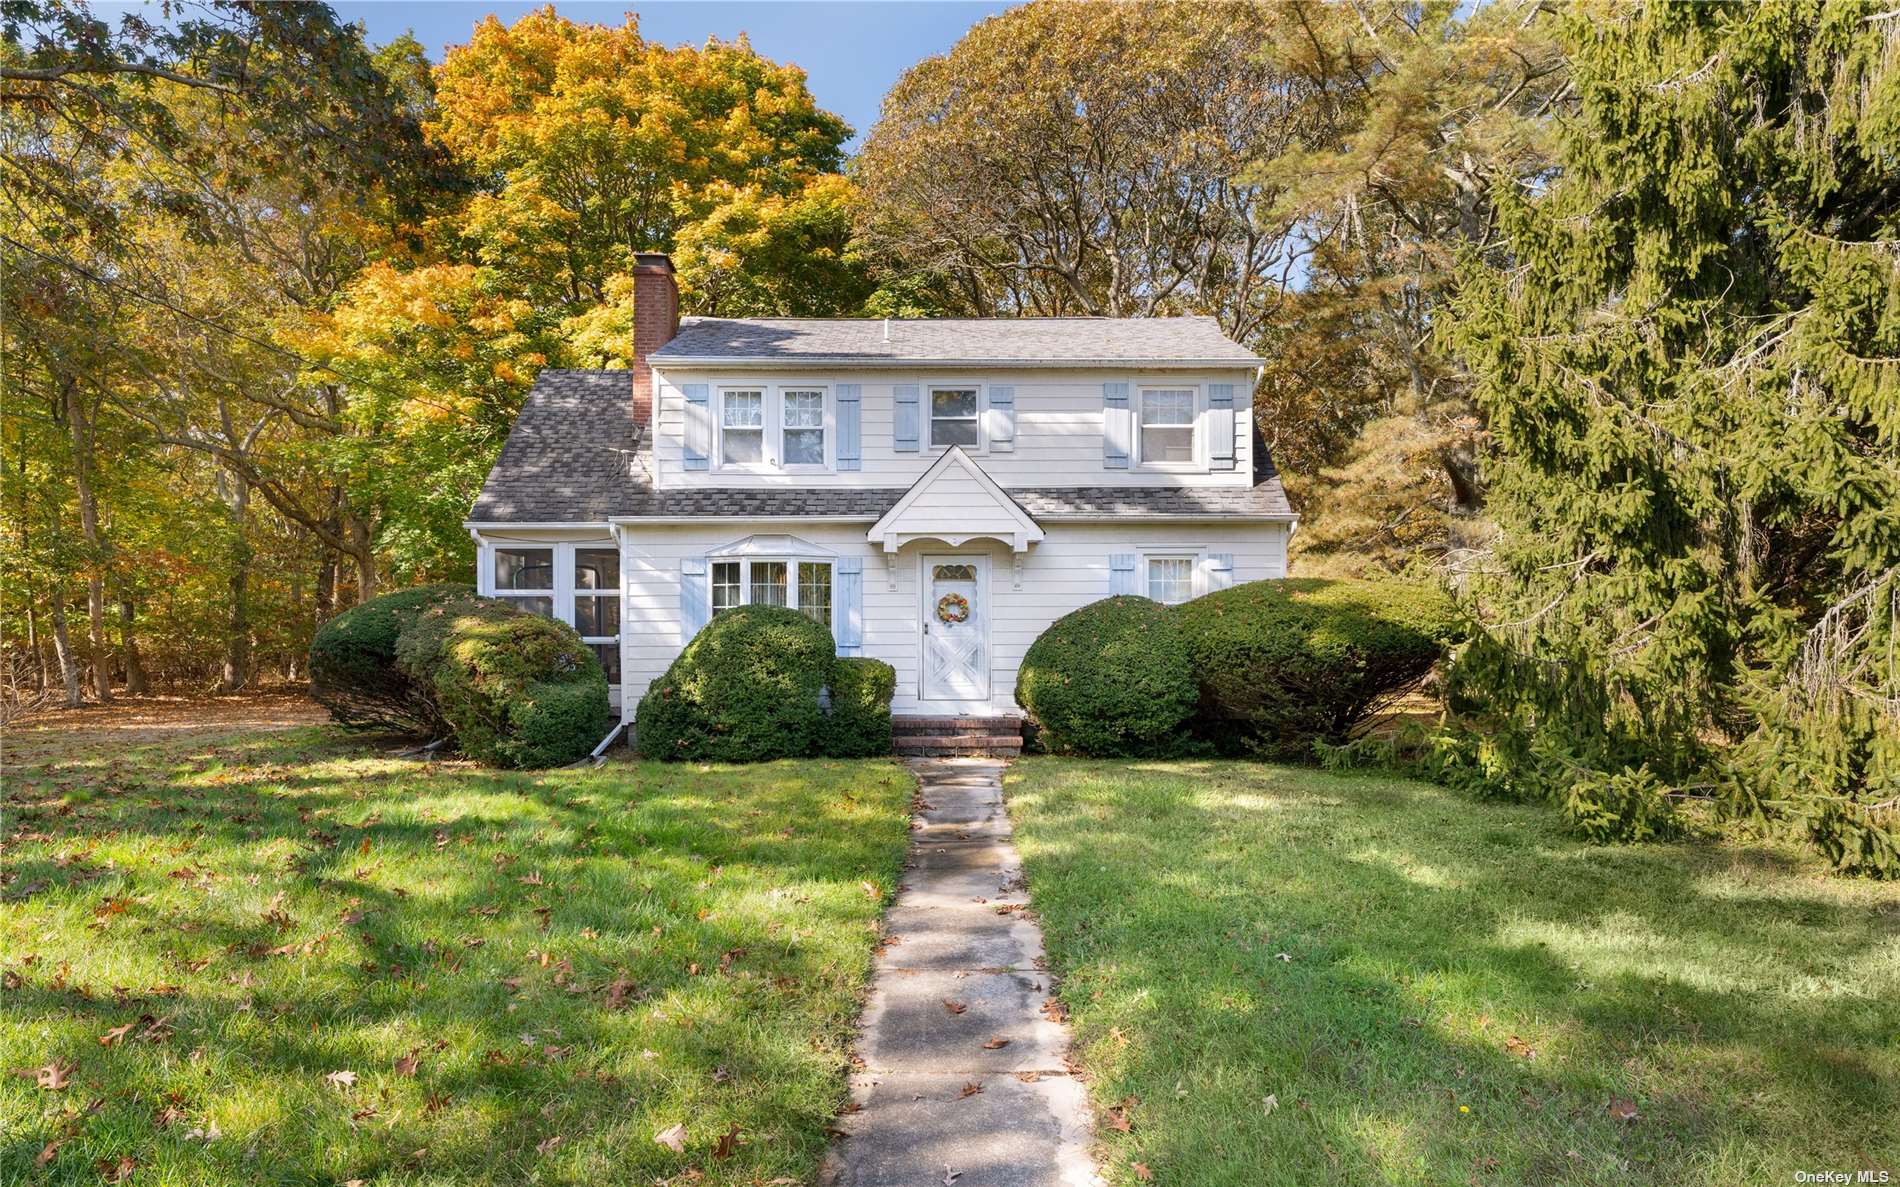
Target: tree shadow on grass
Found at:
1464, 989
587, 956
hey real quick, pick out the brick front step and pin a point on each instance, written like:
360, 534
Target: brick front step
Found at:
996, 745
957, 725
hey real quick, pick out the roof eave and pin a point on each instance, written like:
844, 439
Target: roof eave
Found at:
760, 362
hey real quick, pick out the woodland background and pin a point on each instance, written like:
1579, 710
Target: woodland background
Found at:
1591, 310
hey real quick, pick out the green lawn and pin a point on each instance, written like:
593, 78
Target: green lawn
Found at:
1310, 978
288, 958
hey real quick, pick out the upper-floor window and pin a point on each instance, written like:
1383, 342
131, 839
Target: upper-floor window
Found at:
741, 427
804, 420
1166, 425
955, 417
771, 427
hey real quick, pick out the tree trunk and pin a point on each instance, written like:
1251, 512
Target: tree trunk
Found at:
80, 430
136, 684
63, 648
237, 632
363, 553
326, 587
41, 676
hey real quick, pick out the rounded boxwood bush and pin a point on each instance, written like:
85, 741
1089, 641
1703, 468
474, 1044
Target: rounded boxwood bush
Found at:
519, 690
353, 668
744, 690
1110, 679
858, 724
1282, 664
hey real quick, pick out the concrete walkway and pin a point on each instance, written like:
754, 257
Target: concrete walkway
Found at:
965, 1080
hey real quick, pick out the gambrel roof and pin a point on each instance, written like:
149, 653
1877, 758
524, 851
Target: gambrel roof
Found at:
576, 456
954, 341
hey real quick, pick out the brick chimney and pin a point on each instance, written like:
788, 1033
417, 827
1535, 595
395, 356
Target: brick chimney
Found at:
656, 318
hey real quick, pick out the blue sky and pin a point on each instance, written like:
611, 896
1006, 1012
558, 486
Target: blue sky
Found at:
852, 52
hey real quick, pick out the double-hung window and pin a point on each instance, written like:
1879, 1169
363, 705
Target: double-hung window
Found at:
1170, 579
773, 427
742, 427
802, 585
597, 605
802, 413
525, 576
1167, 426
955, 417
575, 582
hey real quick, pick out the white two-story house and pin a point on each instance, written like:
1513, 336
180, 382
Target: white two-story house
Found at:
936, 492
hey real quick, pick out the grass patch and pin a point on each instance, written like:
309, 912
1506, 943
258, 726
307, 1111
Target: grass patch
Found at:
274, 959
1302, 977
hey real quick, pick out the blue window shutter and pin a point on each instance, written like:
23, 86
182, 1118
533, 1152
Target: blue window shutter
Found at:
908, 426
1121, 573
1002, 419
693, 596
1220, 571
698, 426
1118, 427
1220, 403
850, 611
850, 402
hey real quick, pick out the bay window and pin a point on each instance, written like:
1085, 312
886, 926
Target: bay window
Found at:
802, 584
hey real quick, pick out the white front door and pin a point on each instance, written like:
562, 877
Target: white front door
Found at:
956, 628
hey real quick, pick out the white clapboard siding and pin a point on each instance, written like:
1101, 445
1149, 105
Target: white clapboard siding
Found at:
1067, 570
1057, 439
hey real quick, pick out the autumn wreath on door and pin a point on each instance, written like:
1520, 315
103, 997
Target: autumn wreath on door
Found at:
953, 607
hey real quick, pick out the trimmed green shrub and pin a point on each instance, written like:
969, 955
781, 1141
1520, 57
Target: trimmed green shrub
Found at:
1110, 679
518, 689
1285, 664
744, 690
859, 723
353, 668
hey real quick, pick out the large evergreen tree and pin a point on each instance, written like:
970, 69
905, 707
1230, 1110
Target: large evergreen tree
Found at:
1690, 369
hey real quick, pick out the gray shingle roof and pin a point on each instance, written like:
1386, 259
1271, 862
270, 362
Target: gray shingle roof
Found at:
1026, 341
574, 456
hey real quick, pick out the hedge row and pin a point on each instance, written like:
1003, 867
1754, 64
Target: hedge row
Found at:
513, 689
1264, 669
764, 682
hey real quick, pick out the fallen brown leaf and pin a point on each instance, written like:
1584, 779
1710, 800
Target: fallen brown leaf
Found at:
728, 1144
673, 1137
342, 1079
117, 1170
996, 1044
1520, 1048
970, 1089
406, 1064
49, 1151
1623, 1110
955, 1007
53, 1077
116, 1035
1143, 1173
548, 1145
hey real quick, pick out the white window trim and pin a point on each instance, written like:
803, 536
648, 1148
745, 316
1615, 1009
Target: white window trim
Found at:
982, 389
1199, 425
563, 592
1195, 555
772, 436
791, 561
